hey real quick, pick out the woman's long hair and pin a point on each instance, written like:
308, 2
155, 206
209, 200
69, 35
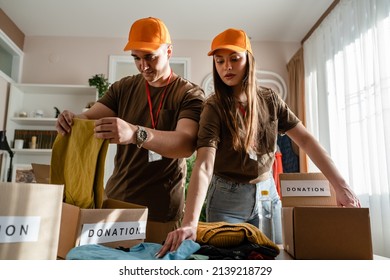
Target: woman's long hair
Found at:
245, 130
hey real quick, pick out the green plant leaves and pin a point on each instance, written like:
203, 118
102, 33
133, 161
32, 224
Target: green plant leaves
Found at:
100, 82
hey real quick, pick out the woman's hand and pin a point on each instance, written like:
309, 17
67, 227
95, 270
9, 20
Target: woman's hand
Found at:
175, 238
346, 198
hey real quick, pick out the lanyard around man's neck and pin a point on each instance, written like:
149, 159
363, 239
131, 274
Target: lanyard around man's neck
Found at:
155, 119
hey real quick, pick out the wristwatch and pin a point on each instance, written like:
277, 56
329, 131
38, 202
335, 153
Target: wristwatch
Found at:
141, 136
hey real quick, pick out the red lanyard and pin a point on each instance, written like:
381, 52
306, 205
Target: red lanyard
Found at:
154, 122
242, 109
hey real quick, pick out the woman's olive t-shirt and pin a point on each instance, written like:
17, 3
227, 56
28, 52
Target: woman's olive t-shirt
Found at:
238, 166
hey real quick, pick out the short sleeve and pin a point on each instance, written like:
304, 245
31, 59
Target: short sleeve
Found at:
209, 125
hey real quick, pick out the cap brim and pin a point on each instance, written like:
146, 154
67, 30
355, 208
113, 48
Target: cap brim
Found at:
226, 47
141, 46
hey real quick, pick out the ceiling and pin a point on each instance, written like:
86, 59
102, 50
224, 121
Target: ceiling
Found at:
263, 20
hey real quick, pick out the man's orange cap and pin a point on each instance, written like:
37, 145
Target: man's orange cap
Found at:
147, 34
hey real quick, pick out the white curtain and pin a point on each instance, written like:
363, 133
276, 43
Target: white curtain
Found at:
347, 87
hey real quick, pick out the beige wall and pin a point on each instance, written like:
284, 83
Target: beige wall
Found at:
60, 60
12, 31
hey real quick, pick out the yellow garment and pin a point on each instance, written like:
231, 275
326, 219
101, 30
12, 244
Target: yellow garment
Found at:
77, 161
223, 235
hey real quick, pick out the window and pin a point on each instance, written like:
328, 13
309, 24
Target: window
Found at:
11, 58
347, 92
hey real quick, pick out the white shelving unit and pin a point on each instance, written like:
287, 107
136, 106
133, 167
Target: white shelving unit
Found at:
31, 97
34, 121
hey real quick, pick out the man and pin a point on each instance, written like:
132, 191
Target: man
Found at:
153, 117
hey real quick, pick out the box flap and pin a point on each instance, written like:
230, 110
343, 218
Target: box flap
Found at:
110, 203
112, 225
70, 219
306, 189
118, 223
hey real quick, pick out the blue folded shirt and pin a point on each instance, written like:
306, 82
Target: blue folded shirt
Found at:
142, 251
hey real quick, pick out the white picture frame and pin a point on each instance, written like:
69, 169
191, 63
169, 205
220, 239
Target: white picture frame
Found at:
123, 65
23, 173
265, 78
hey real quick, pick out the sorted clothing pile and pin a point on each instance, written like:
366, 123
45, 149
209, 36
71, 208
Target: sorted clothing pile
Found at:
222, 240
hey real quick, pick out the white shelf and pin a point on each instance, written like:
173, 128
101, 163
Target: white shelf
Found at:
35, 121
56, 89
32, 151
30, 98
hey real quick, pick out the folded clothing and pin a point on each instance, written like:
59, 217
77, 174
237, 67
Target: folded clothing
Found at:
142, 251
226, 235
246, 251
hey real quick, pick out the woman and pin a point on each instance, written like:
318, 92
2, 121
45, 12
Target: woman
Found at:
236, 144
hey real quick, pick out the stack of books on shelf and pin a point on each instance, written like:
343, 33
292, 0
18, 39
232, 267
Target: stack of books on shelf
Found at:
44, 138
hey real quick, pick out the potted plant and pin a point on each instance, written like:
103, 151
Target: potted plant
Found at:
100, 82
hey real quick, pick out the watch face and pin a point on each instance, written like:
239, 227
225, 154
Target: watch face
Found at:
143, 134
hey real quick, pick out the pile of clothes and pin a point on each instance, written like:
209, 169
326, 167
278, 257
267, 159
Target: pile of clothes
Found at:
241, 241
215, 241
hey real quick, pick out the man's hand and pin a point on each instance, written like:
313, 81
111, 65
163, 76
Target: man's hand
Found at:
64, 122
116, 130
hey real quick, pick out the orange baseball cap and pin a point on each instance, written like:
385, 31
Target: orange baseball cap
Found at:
231, 39
147, 34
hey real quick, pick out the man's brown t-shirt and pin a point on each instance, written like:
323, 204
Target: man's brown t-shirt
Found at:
159, 185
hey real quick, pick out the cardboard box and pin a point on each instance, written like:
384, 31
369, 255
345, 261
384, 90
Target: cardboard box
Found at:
30, 216
117, 224
327, 233
315, 228
41, 172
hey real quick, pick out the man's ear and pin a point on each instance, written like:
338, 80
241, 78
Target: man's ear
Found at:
169, 51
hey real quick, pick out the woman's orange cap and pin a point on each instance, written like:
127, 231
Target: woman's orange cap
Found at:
231, 39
